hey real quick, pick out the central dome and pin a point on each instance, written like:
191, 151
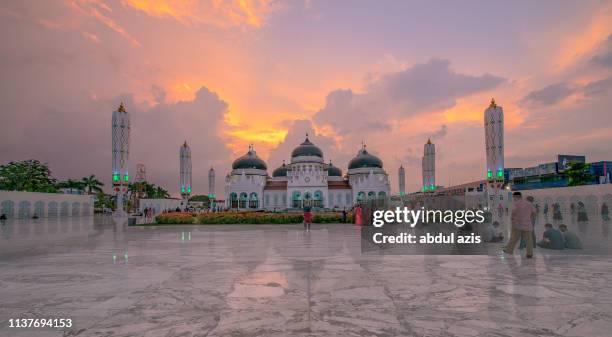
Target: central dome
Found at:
308, 149
249, 161
333, 171
365, 159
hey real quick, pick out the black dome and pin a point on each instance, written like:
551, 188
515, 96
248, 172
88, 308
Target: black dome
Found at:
280, 171
333, 171
365, 159
249, 161
307, 149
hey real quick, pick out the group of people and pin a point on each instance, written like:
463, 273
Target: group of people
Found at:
523, 219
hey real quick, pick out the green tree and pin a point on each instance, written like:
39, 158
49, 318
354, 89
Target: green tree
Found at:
28, 175
579, 174
72, 185
161, 193
203, 198
92, 184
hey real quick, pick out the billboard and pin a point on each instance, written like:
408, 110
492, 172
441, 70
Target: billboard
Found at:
565, 159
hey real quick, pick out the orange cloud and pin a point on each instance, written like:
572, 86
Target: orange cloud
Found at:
576, 46
215, 12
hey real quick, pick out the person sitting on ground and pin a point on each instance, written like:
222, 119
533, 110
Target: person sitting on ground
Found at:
492, 233
552, 238
572, 241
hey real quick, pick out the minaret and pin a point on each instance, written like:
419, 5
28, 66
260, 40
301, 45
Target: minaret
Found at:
494, 143
429, 166
211, 183
402, 181
185, 171
121, 151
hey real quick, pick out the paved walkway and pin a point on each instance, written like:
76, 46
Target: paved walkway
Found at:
276, 280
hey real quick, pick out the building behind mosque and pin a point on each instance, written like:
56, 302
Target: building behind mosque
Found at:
306, 181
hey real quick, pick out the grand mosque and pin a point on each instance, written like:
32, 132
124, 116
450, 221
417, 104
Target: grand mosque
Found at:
306, 180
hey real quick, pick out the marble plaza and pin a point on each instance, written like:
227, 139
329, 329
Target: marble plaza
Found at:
277, 280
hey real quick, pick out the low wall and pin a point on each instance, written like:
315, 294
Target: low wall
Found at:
592, 196
16, 204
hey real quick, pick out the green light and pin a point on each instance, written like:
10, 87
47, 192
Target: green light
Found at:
500, 173
432, 187
116, 177
188, 189
183, 189
489, 174
126, 177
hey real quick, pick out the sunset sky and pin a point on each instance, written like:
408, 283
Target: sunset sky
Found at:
223, 74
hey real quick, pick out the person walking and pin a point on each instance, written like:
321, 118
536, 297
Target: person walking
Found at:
307, 218
522, 225
358, 215
344, 215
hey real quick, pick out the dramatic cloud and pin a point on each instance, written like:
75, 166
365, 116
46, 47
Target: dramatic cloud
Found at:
597, 88
218, 13
549, 95
426, 87
604, 57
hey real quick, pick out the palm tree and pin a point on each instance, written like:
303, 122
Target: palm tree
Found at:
71, 185
91, 183
161, 193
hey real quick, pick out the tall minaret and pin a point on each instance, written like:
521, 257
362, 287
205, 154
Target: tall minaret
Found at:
211, 183
429, 166
121, 151
402, 181
185, 171
494, 143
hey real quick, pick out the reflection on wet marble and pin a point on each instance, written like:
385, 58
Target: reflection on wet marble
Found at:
277, 280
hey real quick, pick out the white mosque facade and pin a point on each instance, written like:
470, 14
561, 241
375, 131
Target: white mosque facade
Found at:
306, 180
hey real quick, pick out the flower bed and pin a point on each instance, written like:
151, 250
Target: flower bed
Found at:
175, 218
265, 218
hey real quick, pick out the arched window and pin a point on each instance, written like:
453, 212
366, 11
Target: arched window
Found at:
348, 199
339, 199
24, 209
296, 199
275, 199
371, 195
318, 199
52, 209
253, 201
233, 200
8, 208
243, 200
39, 209
361, 196
382, 195
267, 200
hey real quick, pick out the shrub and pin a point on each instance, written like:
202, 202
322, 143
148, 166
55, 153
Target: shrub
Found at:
175, 218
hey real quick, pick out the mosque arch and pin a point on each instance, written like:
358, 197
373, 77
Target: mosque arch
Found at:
86, 207
318, 199
371, 195
243, 200
361, 196
296, 199
24, 209
39, 208
52, 209
233, 200
253, 200
382, 195
64, 208
8, 208
76, 209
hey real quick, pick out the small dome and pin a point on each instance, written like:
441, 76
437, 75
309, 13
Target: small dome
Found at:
365, 159
307, 148
249, 161
333, 171
280, 171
